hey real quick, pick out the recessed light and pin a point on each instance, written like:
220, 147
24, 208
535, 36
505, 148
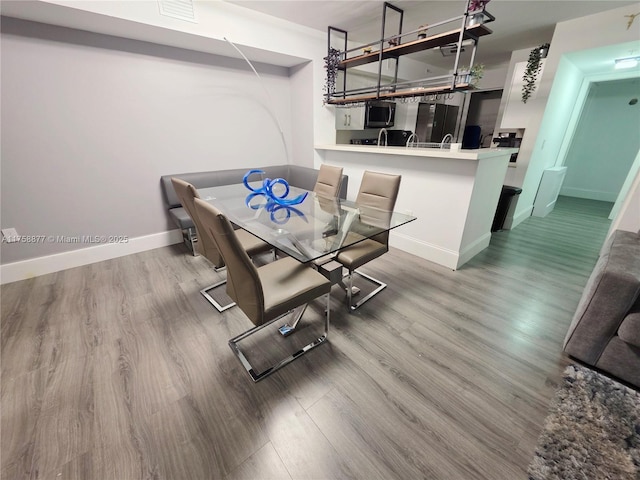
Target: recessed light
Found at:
629, 62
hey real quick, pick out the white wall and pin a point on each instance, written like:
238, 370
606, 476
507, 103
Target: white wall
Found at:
606, 142
525, 118
634, 172
302, 132
516, 112
510, 95
89, 127
90, 122
630, 221
494, 78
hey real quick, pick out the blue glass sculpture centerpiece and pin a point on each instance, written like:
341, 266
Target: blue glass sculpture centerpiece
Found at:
274, 202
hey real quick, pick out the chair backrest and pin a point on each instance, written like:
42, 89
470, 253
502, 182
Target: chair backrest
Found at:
187, 193
329, 181
379, 190
243, 282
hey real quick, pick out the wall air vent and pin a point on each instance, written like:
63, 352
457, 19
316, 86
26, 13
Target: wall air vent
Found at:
180, 9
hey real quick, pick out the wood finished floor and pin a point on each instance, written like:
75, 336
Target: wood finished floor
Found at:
121, 370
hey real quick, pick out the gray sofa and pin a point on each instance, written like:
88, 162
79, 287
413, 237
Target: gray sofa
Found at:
605, 331
295, 175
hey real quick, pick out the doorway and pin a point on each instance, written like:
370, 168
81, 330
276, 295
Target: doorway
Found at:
606, 141
551, 139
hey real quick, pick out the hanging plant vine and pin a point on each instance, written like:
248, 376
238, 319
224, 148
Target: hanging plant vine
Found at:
631, 18
476, 73
532, 70
331, 63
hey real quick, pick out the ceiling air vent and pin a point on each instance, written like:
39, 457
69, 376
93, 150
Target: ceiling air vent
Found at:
180, 9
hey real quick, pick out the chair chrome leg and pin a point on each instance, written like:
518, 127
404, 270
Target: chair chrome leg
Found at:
212, 301
352, 290
349, 289
190, 239
257, 376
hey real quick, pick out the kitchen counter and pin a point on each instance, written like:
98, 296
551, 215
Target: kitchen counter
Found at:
476, 154
454, 195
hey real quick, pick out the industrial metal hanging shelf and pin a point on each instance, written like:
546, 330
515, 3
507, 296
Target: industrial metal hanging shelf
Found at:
457, 81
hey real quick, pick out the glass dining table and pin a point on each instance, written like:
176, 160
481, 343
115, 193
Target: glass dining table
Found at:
315, 228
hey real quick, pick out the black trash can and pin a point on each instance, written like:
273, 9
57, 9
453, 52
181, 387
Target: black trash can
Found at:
506, 196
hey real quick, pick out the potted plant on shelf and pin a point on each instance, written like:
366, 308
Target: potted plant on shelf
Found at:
476, 73
471, 75
476, 7
331, 63
532, 70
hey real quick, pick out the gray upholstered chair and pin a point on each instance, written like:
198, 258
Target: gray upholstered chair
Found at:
264, 293
378, 191
329, 181
187, 193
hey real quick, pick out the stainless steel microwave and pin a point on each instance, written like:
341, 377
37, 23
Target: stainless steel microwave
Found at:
379, 114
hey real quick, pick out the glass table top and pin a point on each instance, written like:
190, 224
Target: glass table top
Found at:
317, 227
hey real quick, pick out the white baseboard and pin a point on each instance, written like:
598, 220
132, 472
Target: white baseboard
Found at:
433, 253
518, 218
543, 210
589, 194
473, 249
33, 267
442, 256
22, 270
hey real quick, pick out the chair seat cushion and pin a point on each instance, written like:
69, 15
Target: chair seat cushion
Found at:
357, 255
252, 244
287, 283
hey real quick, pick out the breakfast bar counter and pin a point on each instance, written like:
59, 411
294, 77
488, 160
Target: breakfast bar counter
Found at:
476, 154
454, 194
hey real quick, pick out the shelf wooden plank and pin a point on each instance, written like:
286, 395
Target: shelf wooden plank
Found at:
433, 41
416, 92
412, 92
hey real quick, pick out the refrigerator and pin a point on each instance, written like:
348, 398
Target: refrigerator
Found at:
435, 120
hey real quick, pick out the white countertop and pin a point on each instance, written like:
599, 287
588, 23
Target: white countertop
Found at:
477, 154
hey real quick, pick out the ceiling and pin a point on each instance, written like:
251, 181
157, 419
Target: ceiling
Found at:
519, 24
